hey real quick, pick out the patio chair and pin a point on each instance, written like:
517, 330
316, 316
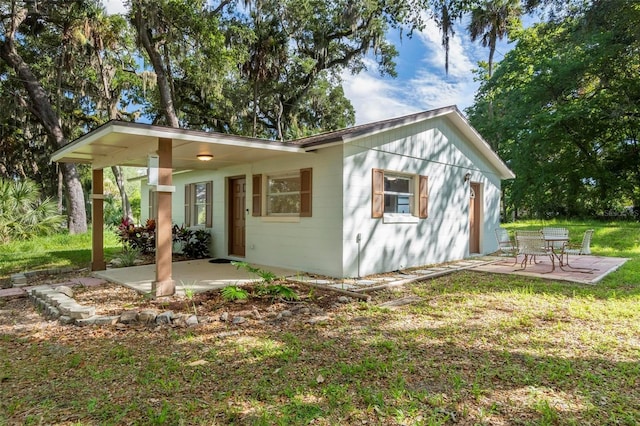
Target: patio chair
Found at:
533, 234
579, 250
562, 235
532, 246
506, 245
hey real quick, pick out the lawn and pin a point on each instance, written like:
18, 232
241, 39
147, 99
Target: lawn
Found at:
473, 349
56, 251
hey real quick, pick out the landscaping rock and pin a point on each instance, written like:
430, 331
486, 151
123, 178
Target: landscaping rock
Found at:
106, 320
192, 320
129, 317
18, 280
239, 320
66, 290
65, 320
165, 317
224, 317
147, 316
344, 299
318, 319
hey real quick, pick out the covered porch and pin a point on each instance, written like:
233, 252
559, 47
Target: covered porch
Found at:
163, 151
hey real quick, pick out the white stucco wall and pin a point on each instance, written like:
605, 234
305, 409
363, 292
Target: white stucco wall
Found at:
325, 243
444, 235
305, 244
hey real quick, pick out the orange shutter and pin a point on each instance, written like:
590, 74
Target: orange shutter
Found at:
377, 194
256, 208
423, 194
305, 192
187, 204
209, 206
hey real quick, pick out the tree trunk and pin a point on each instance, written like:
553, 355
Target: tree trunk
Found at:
112, 105
41, 107
126, 205
164, 86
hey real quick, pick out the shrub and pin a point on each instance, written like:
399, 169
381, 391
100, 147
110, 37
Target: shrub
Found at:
195, 242
23, 213
141, 238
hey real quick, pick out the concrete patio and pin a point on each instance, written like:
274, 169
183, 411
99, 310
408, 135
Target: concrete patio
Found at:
196, 275
584, 270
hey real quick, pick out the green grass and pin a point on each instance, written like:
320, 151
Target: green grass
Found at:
477, 349
55, 251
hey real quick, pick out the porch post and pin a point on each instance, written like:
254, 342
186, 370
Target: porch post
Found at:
164, 284
97, 218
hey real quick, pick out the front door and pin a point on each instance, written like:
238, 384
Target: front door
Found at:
475, 202
237, 193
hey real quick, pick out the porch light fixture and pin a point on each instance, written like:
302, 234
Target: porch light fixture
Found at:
467, 177
204, 157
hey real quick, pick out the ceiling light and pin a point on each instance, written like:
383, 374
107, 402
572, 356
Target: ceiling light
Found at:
205, 157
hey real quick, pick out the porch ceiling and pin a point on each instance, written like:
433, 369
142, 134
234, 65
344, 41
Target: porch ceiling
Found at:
130, 144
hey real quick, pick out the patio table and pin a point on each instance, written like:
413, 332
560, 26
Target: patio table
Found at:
551, 241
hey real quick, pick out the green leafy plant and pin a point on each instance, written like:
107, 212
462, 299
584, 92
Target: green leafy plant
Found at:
282, 291
189, 293
232, 293
128, 256
142, 238
267, 276
23, 214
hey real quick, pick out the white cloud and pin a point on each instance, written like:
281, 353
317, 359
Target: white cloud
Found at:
114, 7
424, 85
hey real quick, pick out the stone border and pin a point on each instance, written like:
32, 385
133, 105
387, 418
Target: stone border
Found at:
22, 279
58, 304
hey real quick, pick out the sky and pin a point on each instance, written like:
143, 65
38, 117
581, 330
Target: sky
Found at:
421, 83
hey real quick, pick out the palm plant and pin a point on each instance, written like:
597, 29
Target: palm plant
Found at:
490, 22
23, 214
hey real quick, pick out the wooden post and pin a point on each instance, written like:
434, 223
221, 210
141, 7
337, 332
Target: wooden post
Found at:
97, 217
164, 284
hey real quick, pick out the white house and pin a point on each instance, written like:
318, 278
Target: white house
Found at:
408, 191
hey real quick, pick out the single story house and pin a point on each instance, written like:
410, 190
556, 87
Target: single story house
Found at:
414, 190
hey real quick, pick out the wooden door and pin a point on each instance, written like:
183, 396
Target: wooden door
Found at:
237, 195
475, 202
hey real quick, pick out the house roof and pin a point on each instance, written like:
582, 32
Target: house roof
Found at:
450, 112
130, 144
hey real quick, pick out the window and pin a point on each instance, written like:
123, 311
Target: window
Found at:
283, 195
197, 204
286, 194
396, 194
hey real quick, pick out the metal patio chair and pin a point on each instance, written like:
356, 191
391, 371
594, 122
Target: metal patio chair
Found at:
551, 233
532, 246
578, 250
506, 245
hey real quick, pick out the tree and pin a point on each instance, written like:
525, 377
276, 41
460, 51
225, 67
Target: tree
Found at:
20, 21
566, 110
490, 22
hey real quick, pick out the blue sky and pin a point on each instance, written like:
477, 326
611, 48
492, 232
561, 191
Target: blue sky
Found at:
421, 84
